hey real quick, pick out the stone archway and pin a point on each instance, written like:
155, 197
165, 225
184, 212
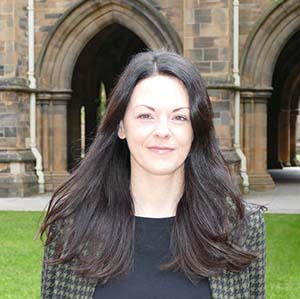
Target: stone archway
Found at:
283, 106
95, 73
57, 61
258, 62
81, 23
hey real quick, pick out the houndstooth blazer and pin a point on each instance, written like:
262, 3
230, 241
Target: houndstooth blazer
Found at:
60, 282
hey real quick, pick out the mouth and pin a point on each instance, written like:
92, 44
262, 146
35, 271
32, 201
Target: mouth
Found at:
161, 149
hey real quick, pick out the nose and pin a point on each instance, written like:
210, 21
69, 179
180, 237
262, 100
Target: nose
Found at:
162, 128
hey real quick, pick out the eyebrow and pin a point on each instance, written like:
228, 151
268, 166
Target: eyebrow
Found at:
151, 108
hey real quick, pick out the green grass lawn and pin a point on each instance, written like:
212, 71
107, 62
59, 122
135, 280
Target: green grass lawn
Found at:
20, 256
283, 256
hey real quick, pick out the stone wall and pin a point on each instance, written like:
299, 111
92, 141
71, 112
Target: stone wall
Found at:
173, 11
13, 39
17, 176
207, 43
47, 14
207, 36
14, 120
8, 57
223, 116
251, 12
204, 26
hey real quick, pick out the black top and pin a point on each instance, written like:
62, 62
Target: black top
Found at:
146, 281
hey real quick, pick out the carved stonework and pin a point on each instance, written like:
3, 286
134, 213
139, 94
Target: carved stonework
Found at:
254, 133
52, 135
17, 176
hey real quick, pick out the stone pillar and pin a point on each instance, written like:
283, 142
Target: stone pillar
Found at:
284, 137
254, 107
74, 131
298, 135
52, 136
17, 175
274, 161
293, 138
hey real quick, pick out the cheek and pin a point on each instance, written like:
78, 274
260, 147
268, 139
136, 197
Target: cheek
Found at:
137, 132
136, 138
185, 136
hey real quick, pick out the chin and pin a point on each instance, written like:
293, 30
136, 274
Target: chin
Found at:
162, 171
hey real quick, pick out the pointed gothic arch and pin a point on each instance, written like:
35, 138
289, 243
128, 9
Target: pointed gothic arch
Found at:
84, 20
58, 58
261, 54
266, 42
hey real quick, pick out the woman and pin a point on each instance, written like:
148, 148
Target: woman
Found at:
151, 211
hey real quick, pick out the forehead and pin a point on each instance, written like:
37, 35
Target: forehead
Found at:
160, 91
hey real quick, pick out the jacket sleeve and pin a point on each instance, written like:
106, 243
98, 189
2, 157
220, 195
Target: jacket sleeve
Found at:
256, 243
49, 271
59, 281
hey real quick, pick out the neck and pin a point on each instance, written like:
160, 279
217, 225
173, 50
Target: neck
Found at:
156, 196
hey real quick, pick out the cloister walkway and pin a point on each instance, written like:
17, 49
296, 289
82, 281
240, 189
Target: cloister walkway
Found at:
285, 198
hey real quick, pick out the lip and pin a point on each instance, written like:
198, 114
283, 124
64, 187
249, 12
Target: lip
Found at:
161, 149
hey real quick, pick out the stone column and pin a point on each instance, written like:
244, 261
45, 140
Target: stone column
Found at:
293, 138
17, 175
284, 137
52, 129
255, 138
74, 131
274, 161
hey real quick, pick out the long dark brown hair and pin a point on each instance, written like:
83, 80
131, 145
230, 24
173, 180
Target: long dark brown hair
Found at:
93, 211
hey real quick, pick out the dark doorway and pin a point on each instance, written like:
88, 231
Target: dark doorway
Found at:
95, 74
283, 108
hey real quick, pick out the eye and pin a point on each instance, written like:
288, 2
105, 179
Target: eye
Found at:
145, 116
180, 117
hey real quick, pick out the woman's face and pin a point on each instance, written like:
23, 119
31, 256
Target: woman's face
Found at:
157, 125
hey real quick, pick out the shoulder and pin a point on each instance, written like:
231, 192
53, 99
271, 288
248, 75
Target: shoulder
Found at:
60, 226
253, 226
250, 282
254, 214
249, 232
56, 234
